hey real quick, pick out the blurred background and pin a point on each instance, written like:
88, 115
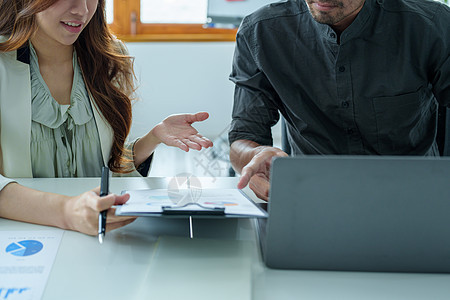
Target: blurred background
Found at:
183, 52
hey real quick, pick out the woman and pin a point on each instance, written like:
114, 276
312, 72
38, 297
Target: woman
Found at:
65, 111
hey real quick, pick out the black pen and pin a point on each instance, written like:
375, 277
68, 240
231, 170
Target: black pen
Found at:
104, 190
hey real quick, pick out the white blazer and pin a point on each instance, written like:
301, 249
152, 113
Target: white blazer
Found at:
15, 119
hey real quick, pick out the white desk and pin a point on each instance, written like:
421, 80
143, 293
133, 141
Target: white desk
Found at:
154, 258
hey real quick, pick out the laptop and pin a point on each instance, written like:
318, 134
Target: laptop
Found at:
358, 213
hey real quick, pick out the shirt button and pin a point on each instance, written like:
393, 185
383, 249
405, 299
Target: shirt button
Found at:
341, 69
345, 104
332, 35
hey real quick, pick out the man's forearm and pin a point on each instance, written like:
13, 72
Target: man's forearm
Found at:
242, 152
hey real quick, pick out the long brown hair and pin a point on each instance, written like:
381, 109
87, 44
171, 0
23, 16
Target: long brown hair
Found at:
108, 71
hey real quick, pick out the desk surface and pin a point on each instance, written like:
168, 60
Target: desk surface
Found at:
154, 258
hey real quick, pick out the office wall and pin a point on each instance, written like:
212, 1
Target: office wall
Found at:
183, 77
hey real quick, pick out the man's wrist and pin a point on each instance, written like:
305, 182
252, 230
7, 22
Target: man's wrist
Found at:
257, 150
262, 148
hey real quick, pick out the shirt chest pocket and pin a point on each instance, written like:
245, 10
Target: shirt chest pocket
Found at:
404, 123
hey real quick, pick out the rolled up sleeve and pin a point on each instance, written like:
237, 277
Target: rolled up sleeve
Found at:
440, 78
254, 109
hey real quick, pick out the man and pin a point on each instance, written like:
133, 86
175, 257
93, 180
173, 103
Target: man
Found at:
349, 77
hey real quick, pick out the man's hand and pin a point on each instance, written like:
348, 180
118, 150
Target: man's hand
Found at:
257, 172
260, 185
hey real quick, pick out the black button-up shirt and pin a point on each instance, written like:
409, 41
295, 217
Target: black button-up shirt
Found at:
374, 92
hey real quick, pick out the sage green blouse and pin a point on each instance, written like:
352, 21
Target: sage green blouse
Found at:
64, 138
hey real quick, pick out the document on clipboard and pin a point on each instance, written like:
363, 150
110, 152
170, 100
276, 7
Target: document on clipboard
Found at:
229, 203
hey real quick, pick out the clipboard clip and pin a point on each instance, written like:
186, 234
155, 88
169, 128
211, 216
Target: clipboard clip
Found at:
179, 210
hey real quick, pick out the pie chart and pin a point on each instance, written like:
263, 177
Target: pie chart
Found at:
24, 248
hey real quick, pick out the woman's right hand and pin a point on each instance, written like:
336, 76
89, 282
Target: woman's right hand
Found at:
177, 131
82, 211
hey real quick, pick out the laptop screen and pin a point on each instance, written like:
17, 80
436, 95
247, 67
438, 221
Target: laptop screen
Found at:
359, 213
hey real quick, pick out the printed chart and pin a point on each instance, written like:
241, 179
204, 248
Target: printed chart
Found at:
24, 248
147, 202
26, 259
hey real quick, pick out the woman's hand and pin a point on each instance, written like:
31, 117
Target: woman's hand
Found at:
82, 211
177, 131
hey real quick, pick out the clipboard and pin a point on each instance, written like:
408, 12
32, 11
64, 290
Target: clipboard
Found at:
212, 203
178, 210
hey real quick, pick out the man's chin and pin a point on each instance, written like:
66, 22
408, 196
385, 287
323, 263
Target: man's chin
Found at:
323, 19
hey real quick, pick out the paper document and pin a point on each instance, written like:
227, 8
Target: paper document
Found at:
26, 259
232, 202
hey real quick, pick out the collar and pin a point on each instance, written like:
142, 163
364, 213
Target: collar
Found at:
23, 54
360, 21
354, 28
